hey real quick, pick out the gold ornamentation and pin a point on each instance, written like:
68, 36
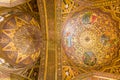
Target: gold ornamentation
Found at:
20, 40
88, 42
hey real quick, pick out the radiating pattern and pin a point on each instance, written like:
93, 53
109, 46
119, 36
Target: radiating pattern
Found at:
90, 37
20, 40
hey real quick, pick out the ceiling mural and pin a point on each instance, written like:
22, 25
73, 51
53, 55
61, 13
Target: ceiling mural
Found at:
82, 36
59, 39
20, 40
89, 43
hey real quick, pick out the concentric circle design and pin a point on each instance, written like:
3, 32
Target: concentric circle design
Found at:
87, 39
90, 37
20, 40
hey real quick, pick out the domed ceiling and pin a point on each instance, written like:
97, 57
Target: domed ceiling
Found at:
90, 37
20, 40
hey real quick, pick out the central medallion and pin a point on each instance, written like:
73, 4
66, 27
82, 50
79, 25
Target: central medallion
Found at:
87, 39
90, 37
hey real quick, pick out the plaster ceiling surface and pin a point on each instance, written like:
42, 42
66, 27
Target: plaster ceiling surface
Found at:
90, 37
20, 40
11, 3
7, 1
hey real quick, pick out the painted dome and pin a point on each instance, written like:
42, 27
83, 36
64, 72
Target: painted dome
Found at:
90, 37
20, 40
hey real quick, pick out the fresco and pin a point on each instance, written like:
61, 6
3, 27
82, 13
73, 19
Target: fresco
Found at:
89, 58
90, 37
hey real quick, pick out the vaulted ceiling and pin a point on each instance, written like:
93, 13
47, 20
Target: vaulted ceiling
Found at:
60, 40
